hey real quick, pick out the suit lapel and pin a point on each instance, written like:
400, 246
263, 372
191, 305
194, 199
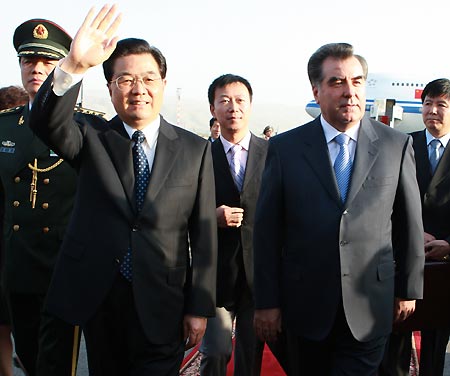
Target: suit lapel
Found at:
318, 157
221, 166
365, 156
119, 145
422, 162
167, 150
254, 160
442, 170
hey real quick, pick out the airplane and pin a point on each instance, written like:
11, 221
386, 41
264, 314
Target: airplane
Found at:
392, 100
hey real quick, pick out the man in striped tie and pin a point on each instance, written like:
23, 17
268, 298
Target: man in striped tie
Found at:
238, 159
338, 240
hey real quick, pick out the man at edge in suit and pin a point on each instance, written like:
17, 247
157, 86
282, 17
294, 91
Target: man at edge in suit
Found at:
137, 265
433, 173
338, 256
237, 189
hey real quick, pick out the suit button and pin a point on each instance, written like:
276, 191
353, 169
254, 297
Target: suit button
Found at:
117, 261
345, 212
45, 205
45, 230
135, 228
16, 204
343, 242
16, 179
46, 181
16, 227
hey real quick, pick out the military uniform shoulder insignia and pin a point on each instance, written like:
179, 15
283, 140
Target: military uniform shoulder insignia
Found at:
12, 110
87, 111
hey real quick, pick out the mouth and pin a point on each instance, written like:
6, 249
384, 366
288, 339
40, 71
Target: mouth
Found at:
349, 106
36, 81
138, 103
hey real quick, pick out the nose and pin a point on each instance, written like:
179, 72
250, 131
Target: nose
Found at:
138, 86
233, 106
349, 90
38, 67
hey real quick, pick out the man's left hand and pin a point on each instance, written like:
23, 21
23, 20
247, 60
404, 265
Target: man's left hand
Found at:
193, 330
403, 309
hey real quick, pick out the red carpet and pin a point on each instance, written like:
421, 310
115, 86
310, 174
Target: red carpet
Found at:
191, 364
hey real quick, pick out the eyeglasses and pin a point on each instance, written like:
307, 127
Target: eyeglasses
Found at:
127, 82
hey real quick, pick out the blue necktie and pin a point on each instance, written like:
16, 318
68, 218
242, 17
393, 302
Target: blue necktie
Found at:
435, 153
141, 179
343, 165
235, 166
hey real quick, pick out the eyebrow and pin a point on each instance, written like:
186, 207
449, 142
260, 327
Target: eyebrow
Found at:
335, 78
118, 74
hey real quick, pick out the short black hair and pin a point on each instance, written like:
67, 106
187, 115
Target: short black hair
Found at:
211, 121
225, 80
134, 46
436, 88
341, 51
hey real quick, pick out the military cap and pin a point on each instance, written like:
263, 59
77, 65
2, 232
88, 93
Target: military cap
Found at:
39, 37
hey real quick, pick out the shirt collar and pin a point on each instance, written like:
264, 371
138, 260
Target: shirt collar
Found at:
331, 132
444, 139
150, 131
245, 142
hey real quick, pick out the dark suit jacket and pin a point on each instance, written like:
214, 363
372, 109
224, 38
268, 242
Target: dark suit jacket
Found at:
434, 191
32, 237
312, 252
235, 246
178, 217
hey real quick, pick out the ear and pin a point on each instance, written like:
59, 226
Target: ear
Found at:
315, 91
212, 110
109, 88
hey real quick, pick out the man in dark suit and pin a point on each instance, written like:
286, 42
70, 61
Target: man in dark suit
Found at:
237, 189
137, 265
433, 176
338, 232
39, 189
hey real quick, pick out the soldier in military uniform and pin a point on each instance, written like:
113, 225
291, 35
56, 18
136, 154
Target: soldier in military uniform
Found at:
39, 189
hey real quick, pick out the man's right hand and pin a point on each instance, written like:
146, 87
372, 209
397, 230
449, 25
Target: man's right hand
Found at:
229, 217
94, 42
428, 237
267, 324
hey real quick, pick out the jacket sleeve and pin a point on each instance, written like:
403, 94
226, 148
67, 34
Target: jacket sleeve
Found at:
408, 230
201, 290
52, 120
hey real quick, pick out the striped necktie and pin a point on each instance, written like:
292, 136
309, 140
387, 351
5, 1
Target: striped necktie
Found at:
343, 165
237, 171
435, 153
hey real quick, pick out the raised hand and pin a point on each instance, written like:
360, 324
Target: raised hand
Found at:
94, 42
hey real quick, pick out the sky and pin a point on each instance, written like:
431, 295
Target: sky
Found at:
267, 42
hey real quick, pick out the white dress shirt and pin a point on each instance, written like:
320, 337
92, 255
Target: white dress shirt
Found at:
333, 146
